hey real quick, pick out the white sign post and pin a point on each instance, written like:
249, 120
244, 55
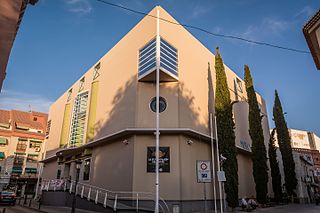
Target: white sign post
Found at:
204, 171
204, 176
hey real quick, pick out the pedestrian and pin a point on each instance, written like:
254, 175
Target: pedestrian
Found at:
244, 204
252, 203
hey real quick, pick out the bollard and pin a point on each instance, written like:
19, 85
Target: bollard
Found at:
25, 200
4, 210
30, 202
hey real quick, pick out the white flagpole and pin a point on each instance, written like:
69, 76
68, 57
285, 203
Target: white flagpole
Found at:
218, 162
157, 111
213, 166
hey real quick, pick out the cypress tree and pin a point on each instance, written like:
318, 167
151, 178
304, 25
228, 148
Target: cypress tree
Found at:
259, 154
275, 172
285, 147
226, 135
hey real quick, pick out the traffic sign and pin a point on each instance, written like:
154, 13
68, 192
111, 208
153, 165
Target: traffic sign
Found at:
204, 171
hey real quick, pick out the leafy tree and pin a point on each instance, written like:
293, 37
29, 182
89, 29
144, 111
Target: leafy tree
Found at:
285, 147
259, 154
225, 129
275, 172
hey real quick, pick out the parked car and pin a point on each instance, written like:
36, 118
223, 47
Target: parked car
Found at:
8, 197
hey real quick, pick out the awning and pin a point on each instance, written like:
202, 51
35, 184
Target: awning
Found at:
16, 170
22, 127
33, 155
5, 125
19, 153
31, 170
3, 141
22, 139
1, 155
35, 141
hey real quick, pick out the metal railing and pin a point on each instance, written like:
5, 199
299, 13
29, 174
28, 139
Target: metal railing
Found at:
112, 199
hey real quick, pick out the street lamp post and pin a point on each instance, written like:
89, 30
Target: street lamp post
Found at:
78, 165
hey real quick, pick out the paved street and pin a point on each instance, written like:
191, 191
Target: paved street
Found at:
291, 208
49, 209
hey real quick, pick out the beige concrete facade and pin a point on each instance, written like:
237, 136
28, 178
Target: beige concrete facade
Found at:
124, 123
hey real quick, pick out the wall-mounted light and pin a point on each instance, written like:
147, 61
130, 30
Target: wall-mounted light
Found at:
125, 142
189, 142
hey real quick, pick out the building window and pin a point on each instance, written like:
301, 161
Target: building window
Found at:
147, 57
168, 57
32, 158
81, 84
162, 104
86, 170
239, 85
35, 144
69, 95
96, 72
58, 173
22, 144
79, 119
48, 129
3, 141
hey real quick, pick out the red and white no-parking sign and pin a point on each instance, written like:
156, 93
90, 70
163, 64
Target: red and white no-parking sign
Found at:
204, 171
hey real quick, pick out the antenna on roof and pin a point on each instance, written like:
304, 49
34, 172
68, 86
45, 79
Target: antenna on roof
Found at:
30, 110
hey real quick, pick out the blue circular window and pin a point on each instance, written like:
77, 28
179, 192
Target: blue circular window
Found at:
162, 104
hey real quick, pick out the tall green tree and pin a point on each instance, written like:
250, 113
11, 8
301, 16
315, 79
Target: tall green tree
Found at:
259, 153
226, 135
275, 172
284, 142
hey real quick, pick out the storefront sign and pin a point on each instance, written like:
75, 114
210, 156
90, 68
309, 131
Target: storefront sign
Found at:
204, 171
164, 159
244, 145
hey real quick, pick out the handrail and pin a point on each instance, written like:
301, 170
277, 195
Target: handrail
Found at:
101, 195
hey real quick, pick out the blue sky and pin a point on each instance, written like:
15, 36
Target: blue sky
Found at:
59, 40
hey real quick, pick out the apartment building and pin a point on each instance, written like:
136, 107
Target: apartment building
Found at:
305, 149
311, 31
11, 15
106, 119
22, 136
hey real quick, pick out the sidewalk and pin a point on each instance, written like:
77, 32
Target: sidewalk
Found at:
34, 205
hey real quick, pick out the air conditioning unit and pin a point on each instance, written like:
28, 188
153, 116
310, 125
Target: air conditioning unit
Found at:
38, 149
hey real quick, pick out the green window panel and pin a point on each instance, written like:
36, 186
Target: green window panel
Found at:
31, 170
3, 141
17, 170
19, 153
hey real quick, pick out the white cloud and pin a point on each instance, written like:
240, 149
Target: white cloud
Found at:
79, 6
306, 11
267, 27
23, 101
199, 10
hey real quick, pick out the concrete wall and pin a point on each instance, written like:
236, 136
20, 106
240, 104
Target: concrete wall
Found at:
50, 170
112, 166
181, 182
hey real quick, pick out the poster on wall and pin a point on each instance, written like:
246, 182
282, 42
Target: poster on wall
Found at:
164, 159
